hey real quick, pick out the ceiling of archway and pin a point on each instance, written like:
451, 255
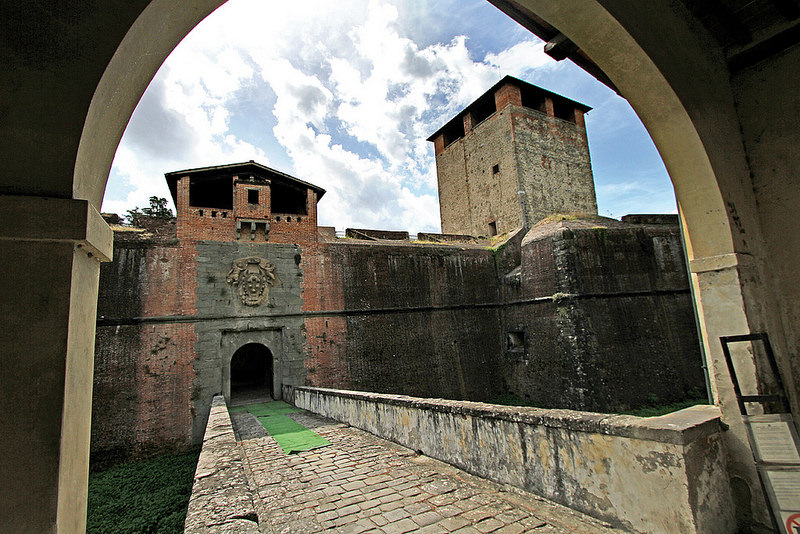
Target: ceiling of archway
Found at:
748, 31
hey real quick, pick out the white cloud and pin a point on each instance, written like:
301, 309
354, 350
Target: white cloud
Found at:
352, 99
521, 58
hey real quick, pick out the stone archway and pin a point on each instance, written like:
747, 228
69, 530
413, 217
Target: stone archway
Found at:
654, 53
251, 374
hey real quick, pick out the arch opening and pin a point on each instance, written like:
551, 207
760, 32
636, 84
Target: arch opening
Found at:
251, 372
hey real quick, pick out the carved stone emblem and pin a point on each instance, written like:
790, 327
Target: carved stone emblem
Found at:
253, 276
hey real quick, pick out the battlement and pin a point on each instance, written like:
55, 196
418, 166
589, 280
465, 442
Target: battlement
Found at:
244, 201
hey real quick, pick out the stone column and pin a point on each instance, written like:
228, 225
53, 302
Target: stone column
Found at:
722, 311
50, 254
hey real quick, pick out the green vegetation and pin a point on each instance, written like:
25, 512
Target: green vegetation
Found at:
142, 497
158, 208
509, 399
654, 409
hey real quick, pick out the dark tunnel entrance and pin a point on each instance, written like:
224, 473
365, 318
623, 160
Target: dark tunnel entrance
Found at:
251, 374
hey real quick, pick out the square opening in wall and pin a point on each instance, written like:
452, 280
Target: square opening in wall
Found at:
252, 196
492, 228
496, 169
515, 340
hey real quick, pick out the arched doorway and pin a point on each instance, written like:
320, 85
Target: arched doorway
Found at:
251, 374
674, 80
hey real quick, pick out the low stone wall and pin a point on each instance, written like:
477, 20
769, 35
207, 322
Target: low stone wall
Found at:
221, 500
656, 475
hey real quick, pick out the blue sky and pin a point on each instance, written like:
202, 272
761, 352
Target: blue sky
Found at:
344, 97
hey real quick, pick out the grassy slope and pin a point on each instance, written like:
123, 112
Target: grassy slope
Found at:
142, 497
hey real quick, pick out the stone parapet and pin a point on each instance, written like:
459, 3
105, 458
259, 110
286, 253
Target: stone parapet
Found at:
657, 475
221, 498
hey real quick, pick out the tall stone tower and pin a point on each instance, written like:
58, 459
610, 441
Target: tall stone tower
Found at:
511, 158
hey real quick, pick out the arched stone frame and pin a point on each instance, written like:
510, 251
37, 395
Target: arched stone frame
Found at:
685, 102
232, 340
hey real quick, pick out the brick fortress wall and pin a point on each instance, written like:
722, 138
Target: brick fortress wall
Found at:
144, 371
403, 318
601, 311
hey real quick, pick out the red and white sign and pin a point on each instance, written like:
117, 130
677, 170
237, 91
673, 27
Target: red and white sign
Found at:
792, 523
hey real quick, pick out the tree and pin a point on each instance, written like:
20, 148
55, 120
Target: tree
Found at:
157, 209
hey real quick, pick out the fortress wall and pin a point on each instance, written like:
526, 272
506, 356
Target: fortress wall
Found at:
601, 317
143, 372
406, 318
605, 315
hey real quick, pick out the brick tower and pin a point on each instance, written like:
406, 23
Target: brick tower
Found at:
244, 201
511, 158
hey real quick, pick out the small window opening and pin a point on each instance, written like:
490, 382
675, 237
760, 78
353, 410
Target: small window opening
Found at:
453, 132
496, 169
213, 213
288, 198
201, 213
533, 99
211, 192
252, 196
515, 340
563, 110
492, 228
224, 214
482, 109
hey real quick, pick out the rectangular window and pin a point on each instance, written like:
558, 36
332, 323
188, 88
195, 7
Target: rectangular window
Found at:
496, 169
492, 228
515, 340
252, 196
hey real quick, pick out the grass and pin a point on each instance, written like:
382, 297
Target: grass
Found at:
654, 409
509, 399
663, 409
142, 497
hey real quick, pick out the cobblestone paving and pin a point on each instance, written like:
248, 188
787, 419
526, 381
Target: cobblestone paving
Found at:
364, 484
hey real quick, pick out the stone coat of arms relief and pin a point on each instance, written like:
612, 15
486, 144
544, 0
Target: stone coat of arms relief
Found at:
254, 277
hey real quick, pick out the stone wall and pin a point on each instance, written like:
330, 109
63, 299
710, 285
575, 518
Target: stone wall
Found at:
223, 323
590, 314
603, 310
403, 318
221, 498
620, 469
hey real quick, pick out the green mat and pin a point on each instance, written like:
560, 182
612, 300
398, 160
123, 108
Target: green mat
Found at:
290, 435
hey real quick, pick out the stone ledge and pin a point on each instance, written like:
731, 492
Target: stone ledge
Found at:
221, 498
25, 218
682, 427
617, 468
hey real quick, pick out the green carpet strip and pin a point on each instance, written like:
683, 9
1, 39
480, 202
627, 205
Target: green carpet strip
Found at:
290, 435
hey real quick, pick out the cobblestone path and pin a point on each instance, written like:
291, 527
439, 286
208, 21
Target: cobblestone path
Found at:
364, 484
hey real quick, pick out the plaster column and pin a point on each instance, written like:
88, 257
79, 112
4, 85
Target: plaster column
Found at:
50, 254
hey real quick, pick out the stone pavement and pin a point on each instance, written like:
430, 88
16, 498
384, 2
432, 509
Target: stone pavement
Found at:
365, 484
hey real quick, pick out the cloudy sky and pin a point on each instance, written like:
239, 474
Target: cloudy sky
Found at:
344, 97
